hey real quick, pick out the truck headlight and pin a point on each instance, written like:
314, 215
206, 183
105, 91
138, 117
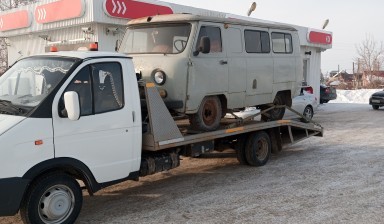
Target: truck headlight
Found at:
159, 77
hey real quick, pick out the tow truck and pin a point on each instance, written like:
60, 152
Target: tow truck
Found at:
70, 117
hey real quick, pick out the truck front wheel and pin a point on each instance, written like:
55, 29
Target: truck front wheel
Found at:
54, 198
208, 116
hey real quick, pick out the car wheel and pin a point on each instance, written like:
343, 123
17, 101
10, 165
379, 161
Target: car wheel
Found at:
375, 107
308, 113
208, 116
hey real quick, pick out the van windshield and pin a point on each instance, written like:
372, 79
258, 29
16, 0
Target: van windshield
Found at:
29, 82
156, 39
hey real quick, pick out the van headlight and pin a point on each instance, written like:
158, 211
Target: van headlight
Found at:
159, 77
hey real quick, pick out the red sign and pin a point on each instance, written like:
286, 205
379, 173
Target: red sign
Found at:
319, 38
15, 20
130, 9
60, 10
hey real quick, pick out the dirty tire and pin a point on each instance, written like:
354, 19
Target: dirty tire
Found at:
308, 113
375, 107
208, 116
240, 149
276, 114
258, 148
54, 198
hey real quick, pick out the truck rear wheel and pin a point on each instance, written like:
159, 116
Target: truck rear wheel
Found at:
278, 113
258, 149
54, 198
240, 149
208, 116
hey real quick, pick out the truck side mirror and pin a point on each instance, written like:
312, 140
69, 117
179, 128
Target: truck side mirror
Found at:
204, 46
72, 105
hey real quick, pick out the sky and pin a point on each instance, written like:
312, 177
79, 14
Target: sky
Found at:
350, 21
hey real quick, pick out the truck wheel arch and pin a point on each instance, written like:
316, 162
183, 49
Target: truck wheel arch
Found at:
73, 167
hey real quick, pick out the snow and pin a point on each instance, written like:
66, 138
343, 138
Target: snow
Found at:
360, 96
344, 97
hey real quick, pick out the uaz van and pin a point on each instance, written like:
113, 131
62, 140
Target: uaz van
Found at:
207, 66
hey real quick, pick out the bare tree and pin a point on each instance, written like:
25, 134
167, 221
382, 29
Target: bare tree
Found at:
10, 4
370, 57
4, 6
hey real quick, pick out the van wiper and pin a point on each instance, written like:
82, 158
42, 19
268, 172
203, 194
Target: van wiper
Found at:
7, 107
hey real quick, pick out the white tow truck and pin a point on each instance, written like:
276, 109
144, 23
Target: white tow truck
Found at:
70, 117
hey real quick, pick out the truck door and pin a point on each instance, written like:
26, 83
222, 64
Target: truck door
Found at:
208, 74
104, 138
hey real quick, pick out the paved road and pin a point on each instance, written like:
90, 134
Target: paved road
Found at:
334, 179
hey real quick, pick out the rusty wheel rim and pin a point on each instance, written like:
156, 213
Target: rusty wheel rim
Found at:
262, 149
209, 112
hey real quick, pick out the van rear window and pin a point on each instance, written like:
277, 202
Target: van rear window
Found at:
257, 41
282, 43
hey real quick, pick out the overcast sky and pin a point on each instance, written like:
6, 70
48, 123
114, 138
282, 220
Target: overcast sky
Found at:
350, 21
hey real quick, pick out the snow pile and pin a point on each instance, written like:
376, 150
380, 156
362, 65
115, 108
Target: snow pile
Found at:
354, 96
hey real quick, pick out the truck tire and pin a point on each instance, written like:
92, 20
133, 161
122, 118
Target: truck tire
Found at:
208, 116
375, 107
240, 149
275, 114
258, 148
54, 198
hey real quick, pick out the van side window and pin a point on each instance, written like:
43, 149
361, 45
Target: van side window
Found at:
107, 87
282, 43
257, 41
82, 85
214, 34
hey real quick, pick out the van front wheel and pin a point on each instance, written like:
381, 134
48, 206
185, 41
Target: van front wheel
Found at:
208, 116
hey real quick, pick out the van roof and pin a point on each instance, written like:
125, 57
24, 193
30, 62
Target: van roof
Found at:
178, 18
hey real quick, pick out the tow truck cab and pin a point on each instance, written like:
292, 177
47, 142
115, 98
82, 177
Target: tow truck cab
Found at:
72, 111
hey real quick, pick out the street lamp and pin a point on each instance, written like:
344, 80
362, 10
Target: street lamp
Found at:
251, 9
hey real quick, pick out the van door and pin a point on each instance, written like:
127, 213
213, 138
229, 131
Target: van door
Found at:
284, 58
259, 66
237, 67
208, 74
104, 136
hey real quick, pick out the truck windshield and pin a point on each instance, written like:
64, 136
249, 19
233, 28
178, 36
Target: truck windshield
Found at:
156, 39
29, 81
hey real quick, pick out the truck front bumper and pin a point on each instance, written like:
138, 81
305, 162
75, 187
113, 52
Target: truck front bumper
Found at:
11, 193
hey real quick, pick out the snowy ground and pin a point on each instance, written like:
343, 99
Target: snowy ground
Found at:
354, 96
338, 178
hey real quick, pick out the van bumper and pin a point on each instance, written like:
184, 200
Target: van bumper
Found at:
11, 193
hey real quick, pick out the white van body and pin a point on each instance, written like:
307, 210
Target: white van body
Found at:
242, 73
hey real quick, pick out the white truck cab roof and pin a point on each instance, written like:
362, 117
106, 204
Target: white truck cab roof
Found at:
84, 54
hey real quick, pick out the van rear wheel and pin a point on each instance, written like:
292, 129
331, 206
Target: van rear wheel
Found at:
278, 113
208, 116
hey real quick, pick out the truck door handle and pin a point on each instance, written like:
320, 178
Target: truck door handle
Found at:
223, 62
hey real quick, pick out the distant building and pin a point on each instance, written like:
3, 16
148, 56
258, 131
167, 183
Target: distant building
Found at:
373, 79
